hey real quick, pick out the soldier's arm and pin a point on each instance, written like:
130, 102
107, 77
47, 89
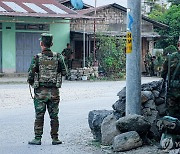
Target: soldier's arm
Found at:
63, 52
31, 71
61, 66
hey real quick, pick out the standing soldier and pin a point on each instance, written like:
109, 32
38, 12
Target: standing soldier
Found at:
147, 62
67, 53
45, 74
171, 72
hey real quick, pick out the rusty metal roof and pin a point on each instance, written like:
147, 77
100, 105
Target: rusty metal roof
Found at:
37, 8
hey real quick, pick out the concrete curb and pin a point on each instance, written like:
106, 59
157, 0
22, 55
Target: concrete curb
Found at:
10, 80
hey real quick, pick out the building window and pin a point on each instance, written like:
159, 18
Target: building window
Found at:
0, 25
42, 27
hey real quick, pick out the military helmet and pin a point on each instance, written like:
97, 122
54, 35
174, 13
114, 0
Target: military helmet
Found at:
46, 38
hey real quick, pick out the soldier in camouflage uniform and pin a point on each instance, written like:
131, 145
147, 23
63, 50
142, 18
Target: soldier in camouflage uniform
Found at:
67, 53
169, 126
45, 74
171, 71
148, 63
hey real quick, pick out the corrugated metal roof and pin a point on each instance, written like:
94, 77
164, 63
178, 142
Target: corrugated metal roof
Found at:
35, 7
41, 8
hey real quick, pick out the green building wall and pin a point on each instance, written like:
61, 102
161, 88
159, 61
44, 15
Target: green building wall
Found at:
8, 48
59, 28
61, 33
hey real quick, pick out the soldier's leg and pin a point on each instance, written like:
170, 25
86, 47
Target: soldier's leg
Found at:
53, 109
40, 109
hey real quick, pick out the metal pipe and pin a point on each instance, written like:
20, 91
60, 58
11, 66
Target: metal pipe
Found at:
84, 47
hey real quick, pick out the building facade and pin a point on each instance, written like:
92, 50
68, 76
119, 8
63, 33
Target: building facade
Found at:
112, 20
21, 24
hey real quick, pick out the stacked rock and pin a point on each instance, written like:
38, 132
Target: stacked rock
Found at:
83, 73
128, 132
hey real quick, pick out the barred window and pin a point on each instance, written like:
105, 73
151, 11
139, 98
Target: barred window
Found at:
42, 27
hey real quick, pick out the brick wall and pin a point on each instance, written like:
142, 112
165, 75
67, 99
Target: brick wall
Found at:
113, 20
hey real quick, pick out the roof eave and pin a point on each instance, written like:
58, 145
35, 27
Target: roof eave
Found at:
62, 16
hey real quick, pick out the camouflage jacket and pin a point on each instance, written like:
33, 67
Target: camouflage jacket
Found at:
67, 53
172, 64
34, 67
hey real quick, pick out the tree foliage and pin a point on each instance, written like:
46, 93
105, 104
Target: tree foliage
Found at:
111, 55
171, 18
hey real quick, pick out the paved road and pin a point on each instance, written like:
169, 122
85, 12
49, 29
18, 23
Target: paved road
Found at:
77, 99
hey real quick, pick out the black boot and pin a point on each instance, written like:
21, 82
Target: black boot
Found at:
56, 141
35, 141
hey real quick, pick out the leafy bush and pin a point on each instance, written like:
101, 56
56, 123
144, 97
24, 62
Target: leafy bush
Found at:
111, 55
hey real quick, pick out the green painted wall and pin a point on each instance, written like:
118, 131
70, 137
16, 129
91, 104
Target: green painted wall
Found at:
8, 48
61, 33
59, 28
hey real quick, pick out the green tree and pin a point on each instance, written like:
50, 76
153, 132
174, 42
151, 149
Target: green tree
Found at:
171, 17
111, 55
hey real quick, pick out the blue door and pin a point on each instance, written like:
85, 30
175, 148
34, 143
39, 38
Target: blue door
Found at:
27, 45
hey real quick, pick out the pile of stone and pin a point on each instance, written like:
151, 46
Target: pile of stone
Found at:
83, 73
128, 132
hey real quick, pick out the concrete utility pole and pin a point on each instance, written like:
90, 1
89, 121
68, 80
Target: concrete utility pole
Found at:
133, 57
84, 47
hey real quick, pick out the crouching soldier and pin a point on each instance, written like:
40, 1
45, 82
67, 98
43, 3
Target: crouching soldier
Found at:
45, 75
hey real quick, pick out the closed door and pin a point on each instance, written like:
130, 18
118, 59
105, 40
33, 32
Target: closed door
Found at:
27, 45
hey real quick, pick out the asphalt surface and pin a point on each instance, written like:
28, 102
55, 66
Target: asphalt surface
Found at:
77, 99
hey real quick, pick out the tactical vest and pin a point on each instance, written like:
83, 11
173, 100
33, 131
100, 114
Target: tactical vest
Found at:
174, 70
48, 68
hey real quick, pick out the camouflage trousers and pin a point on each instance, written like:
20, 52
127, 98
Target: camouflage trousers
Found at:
173, 103
46, 98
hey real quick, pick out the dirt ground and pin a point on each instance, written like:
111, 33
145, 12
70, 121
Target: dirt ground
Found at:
77, 99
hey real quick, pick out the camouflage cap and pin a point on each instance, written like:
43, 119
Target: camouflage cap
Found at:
46, 38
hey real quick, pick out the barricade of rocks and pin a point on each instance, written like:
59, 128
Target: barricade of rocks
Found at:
83, 73
128, 132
